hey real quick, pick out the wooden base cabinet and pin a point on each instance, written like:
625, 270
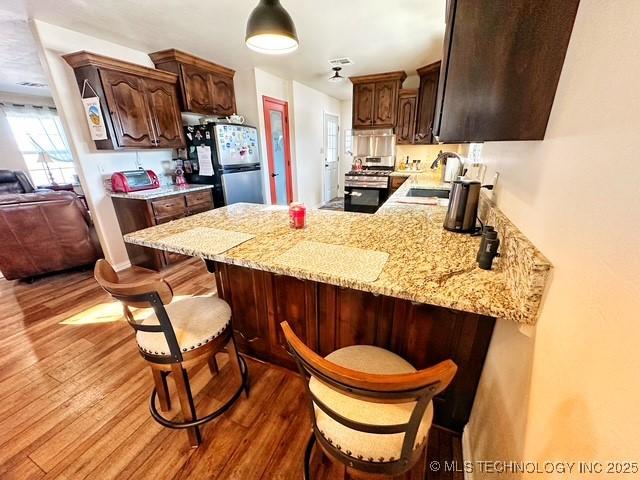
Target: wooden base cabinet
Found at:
135, 214
327, 317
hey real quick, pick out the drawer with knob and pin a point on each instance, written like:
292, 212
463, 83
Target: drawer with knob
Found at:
199, 199
169, 207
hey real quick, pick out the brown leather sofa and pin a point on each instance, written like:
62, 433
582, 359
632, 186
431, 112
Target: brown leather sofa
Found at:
44, 232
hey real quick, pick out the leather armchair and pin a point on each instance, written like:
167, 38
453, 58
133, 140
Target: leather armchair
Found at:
14, 182
44, 232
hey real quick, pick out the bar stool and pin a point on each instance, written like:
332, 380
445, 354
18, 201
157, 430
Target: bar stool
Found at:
371, 409
175, 336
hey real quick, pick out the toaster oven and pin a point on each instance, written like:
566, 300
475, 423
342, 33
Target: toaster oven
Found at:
134, 180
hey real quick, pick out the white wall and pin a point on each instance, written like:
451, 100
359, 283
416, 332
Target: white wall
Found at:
309, 106
572, 392
306, 131
91, 165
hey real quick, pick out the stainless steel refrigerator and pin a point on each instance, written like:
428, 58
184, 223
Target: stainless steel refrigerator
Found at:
226, 156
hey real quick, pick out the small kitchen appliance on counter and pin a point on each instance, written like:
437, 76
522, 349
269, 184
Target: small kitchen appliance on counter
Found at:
463, 206
134, 180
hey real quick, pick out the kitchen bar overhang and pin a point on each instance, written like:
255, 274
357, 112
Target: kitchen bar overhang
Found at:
430, 301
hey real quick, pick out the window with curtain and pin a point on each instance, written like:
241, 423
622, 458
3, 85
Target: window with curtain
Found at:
41, 140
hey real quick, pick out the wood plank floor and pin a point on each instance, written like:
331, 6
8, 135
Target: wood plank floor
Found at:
74, 397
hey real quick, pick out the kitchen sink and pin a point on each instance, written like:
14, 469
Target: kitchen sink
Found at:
428, 192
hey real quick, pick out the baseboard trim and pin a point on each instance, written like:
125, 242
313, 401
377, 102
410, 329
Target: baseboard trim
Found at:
466, 451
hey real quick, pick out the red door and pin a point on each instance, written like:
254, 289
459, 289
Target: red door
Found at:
276, 124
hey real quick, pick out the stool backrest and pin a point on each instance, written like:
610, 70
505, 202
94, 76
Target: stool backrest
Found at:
420, 387
144, 293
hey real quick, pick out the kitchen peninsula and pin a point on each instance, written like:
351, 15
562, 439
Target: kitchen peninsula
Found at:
430, 301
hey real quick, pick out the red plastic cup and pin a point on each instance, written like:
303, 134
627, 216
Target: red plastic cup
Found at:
297, 215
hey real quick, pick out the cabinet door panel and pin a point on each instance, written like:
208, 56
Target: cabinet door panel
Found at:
363, 99
223, 95
167, 123
406, 119
426, 106
294, 301
197, 89
244, 290
386, 98
128, 109
352, 317
425, 335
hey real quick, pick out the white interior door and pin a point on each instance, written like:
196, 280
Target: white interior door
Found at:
331, 180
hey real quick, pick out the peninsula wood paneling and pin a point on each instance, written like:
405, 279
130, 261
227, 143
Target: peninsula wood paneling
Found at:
327, 317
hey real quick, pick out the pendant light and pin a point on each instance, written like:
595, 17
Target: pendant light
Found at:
336, 78
270, 29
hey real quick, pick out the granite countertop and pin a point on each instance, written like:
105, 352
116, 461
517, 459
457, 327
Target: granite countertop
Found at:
163, 191
427, 264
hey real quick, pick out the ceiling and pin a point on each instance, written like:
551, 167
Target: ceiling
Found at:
19, 60
377, 35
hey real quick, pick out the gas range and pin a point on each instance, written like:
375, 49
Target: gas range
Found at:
375, 178
365, 190
370, 173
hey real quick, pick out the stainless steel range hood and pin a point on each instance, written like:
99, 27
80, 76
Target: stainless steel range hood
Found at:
374, 143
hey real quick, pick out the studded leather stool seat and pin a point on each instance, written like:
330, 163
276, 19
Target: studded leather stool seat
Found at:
363, 445
177, 335
371, 410
195, 320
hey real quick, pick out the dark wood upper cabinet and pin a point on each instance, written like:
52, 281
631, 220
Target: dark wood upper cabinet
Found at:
167, 123
427, 95
205, 87
128, 109
375, 99
139, 104
501, 64
224, 100
197, 94
363, 104
407, 107
385, 102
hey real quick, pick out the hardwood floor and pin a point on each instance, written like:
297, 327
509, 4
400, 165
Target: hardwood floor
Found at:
74, 397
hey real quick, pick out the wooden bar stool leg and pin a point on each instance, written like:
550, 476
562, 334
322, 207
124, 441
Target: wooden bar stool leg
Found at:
160, 380
234, 360
213, 366
186, 402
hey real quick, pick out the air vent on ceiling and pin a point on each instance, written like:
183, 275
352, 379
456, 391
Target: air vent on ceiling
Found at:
32, 84
340, 62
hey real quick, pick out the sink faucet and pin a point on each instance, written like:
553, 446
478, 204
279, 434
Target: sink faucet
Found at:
442, 158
